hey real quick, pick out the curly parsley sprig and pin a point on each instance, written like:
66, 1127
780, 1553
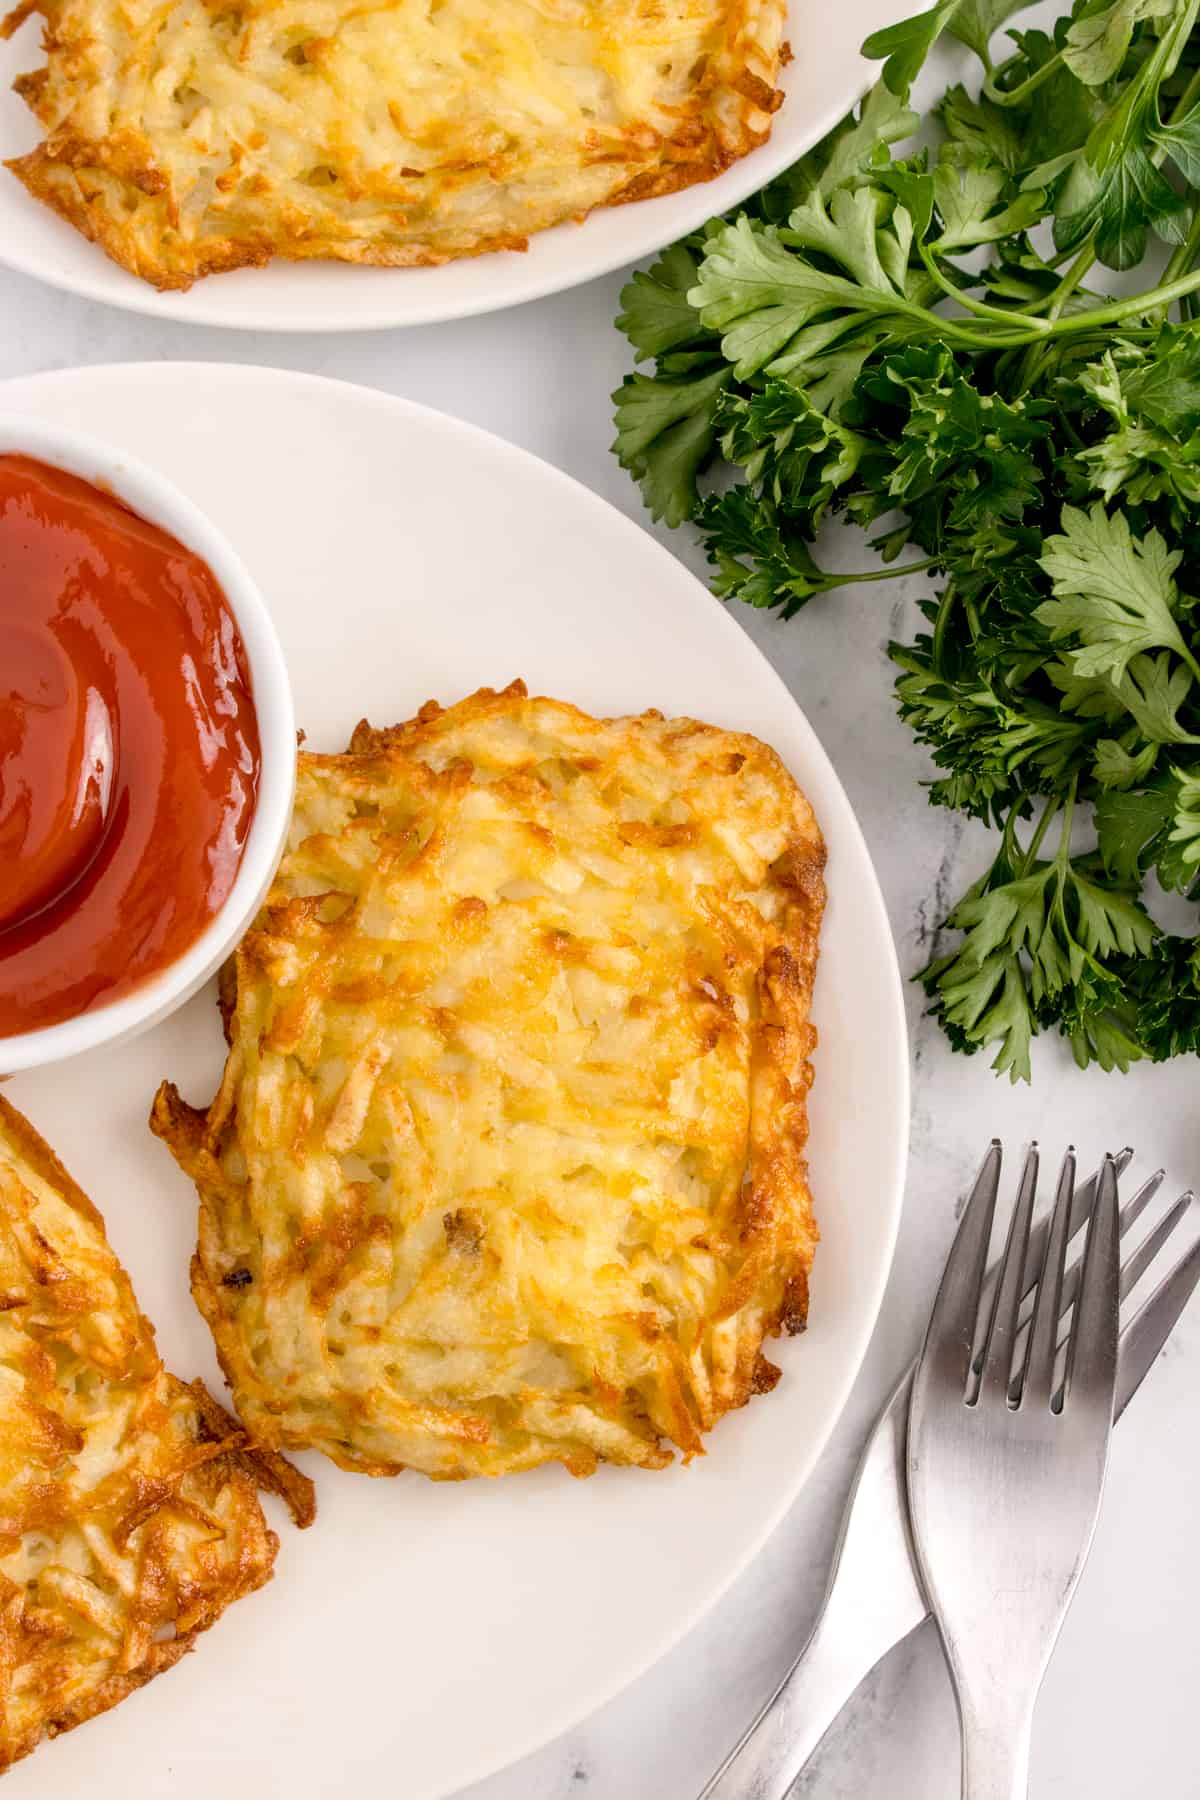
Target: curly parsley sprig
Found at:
922, 342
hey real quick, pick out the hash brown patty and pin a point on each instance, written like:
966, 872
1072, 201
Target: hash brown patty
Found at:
507, 1164
187, 137
129, 1510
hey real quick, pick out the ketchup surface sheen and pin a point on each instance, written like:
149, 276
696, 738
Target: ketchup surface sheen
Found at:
129, 751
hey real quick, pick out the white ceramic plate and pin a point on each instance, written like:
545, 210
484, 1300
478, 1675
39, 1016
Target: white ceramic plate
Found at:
825, 78
422, 1635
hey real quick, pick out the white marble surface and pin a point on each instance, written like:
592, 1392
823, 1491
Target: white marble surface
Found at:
1116, 1716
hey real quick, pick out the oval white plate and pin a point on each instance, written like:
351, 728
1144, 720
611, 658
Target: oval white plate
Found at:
825, 78
422, 1635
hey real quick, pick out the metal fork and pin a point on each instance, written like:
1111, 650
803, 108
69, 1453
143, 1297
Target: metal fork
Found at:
1006, 1464
873, 1600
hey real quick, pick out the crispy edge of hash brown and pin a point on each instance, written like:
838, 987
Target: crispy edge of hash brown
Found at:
780, 1076
224, 1447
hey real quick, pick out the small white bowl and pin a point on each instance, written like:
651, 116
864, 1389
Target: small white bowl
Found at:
163, 505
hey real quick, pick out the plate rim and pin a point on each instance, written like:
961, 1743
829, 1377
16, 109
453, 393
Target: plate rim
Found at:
690, 208
506, 1755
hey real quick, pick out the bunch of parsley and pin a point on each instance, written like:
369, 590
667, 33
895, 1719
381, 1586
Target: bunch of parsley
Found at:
925, 344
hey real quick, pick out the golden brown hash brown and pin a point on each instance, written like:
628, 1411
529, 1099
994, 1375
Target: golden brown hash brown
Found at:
129, 1513
186, 137
507, 1165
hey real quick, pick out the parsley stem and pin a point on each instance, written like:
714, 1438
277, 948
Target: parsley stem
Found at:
941, 626
1064, 842
1043, 330
1071, 279
1056, 258
887, 573
1029, 854
1131, 306
1014, 96
1184, 255
1035, 357
979, 307
1184, 103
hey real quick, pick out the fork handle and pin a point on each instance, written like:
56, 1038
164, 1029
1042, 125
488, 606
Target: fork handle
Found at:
792, 1723
995, 1759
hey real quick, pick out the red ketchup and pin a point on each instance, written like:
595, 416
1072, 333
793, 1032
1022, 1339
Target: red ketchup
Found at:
129, 752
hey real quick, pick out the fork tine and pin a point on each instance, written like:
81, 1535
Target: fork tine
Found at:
1081, 1212
1092, 1355
1002, 1330
1131, 1212
1137, 1264
956, 1309
1035, 1256
1038, 1384
1145, 1335
1086, 1191
1139, 1260
1137, 1203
